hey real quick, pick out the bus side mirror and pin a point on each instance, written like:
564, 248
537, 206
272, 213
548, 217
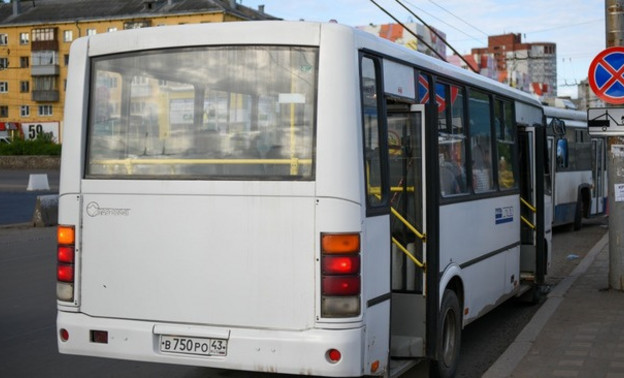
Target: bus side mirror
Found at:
558, 127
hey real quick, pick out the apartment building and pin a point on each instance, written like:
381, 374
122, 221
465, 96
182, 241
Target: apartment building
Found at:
35, 38
531, 67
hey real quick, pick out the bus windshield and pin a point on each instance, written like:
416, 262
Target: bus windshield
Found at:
236, 113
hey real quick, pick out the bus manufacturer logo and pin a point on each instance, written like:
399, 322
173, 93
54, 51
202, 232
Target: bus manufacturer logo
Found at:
504, 215
94, 210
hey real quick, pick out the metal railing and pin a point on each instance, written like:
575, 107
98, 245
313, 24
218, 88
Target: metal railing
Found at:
533, 210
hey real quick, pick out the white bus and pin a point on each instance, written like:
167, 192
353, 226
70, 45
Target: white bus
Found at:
290, 198
578, 166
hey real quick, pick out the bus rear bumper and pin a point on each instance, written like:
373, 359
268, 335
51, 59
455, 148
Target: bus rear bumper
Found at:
276, 351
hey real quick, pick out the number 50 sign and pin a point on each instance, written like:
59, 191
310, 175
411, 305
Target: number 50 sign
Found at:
36, 129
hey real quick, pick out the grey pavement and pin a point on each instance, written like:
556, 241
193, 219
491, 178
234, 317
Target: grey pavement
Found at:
577, 332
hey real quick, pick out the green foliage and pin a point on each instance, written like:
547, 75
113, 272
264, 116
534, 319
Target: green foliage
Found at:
43, 145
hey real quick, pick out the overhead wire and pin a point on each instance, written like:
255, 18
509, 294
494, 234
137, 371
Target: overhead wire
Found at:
434, 31
459, 18
410, 31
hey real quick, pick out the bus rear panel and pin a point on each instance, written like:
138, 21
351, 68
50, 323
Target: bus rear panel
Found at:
200, 227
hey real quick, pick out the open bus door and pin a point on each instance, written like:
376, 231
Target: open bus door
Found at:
535, 206
407, 165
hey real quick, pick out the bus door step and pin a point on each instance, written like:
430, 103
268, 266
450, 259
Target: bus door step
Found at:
407, 346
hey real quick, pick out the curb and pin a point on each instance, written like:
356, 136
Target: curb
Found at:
509, 360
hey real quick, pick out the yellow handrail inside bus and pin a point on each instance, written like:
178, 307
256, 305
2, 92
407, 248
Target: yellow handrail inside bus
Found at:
199, 161
129, 164
530, 207
527, 204
527, 222
376, 191
408, 253
420, 235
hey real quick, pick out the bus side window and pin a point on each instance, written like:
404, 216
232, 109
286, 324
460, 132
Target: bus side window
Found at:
503, 113
451, 140
481, 141
376, 193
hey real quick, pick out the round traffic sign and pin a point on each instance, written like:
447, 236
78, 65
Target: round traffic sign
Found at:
606, 75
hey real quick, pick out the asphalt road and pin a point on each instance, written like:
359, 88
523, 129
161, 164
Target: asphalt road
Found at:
27, 316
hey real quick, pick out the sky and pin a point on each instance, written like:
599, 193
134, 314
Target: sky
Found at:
576, 26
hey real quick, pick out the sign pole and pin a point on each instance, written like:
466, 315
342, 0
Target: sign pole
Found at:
614, 23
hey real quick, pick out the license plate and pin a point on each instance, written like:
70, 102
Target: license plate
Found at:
193, 345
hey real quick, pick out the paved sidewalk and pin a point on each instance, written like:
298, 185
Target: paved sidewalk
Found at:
577, 332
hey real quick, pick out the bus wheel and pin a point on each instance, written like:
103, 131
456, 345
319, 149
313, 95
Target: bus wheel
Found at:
449, 338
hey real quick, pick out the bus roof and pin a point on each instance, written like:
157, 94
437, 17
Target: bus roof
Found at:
286, 33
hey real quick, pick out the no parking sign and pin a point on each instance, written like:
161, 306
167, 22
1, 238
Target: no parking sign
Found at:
606, 75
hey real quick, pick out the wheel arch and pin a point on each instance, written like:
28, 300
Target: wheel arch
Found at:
452, 279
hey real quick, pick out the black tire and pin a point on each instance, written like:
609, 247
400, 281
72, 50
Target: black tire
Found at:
449, 336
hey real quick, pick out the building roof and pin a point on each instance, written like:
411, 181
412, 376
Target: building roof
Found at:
55, 11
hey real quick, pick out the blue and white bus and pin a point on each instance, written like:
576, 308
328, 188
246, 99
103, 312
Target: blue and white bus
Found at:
578, 166
286, 197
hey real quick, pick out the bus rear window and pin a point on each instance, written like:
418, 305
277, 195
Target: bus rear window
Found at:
236, 113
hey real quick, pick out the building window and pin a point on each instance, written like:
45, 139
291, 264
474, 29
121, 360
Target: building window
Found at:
24, 62
91, 32
4, 63
66, 58
4, 111
136, 24
4, 86
44, 83
24, 110
25, 86
112, 29
45, 110
4, 39
24, 38
68, 35
44, 58
47, 34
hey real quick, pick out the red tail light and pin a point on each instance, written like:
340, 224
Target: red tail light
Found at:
340, 275
341, 264
65, 273
65, 256
341, 285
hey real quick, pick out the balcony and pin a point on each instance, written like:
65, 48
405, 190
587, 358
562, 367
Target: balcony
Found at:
45, 96
52, 45
45, 70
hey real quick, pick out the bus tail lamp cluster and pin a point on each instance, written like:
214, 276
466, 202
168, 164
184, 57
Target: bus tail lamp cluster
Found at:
340, 275
65, 268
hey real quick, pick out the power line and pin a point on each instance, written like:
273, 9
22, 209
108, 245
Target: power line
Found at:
410, 31
445, 23
566, 26
439, 36
459, 18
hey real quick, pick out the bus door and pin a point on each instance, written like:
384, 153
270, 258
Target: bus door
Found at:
405, 144
552, 158
598, 205
534, 184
